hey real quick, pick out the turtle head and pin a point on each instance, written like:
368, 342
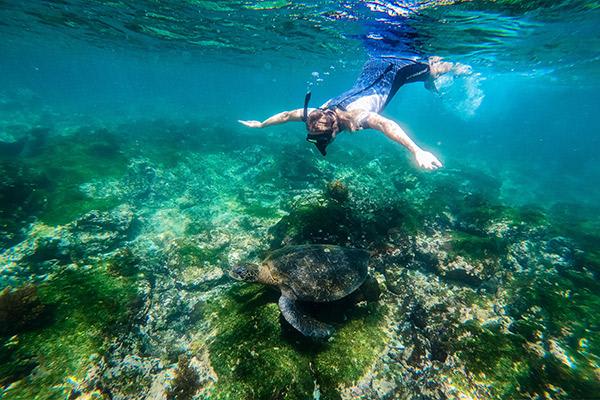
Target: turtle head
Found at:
245, 272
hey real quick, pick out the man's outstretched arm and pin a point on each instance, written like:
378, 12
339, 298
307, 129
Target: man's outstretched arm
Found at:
281, 118
393, 131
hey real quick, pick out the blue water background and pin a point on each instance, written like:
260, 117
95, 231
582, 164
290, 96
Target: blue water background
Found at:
537, 128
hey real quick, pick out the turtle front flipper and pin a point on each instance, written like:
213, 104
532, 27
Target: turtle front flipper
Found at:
303, 322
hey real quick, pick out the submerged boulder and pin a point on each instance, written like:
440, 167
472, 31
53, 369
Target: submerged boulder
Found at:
99, 232
20, 309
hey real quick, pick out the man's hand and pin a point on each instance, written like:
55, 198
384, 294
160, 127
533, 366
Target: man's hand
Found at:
427, 160
251, 124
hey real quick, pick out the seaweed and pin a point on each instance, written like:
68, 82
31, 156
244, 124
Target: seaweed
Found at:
477, 247
566, 329
186, 381
89, 308
255, 356
501, 368
123, 263
13, 368
87, 149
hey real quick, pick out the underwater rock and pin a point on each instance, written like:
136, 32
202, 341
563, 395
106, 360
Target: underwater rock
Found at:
419, 351
369, 291
198, 278
393, 278
123, 262
560, 252
50, 248
461, 271
99, 232
169, 313
136, 367
92, 236
33, 258
198, 262
145, 182
428, 250
316, 224
11, 147
523, 255
140, 178
21, 199
337, 191
20, 309
96, 222
440, 253
131, 376
36, 140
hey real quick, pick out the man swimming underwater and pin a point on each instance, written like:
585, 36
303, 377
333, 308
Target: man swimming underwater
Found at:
360, 107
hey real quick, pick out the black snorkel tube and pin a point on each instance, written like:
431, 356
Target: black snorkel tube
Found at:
321, 140
306, 100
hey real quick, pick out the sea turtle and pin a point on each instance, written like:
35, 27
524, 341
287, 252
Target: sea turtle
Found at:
313, 273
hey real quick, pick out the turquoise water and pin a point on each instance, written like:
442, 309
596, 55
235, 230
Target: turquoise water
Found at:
128, 190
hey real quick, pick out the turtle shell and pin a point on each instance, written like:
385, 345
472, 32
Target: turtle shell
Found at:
319, 273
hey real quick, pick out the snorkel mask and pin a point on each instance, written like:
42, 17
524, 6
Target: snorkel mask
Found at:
322, 138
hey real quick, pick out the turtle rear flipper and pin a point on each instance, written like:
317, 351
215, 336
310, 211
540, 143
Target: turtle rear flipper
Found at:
303, 322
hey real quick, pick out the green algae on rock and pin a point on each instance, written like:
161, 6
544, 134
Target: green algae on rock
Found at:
477, 247
253, 358
548, 348
86, 309
123, 263
246, 351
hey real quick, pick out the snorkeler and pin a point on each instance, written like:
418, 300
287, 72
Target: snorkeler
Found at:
360, 107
